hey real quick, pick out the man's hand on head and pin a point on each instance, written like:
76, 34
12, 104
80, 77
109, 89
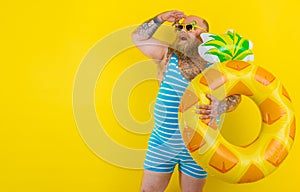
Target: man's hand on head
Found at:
171, 16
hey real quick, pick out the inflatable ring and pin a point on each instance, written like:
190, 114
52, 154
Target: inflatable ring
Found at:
236, 164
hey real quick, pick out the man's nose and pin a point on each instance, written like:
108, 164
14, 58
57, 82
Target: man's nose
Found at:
184, 30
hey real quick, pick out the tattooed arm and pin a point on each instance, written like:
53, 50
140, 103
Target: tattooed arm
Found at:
142, 37
216, 107
229, 103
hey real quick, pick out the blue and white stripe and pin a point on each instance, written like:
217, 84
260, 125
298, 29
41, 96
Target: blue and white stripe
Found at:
166, 147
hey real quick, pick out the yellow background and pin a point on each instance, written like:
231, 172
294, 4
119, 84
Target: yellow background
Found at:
42, 46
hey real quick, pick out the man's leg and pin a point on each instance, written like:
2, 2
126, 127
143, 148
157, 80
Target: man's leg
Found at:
191, 175
155, 181
190, 184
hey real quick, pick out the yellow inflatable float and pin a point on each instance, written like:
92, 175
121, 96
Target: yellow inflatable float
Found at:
231, 163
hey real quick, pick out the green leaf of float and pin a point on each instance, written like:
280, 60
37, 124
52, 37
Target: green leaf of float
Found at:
236, 41
223, 44
218, 38
221, 55
242, 55
244, 43
221, 48
236, 37
229, 46
213, 43
226, 49
243, 47
231, 35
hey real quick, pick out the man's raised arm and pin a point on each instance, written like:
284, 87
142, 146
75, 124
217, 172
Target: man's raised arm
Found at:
142, 37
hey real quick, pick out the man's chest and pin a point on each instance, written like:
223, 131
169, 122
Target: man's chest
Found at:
189, 69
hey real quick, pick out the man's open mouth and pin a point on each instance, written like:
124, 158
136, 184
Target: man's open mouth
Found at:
183, 38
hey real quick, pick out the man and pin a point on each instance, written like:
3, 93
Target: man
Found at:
179, 64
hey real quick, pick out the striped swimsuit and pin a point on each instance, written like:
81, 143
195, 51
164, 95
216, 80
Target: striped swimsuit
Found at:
166, 147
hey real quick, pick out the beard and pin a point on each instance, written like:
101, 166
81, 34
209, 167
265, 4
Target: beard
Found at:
185, 45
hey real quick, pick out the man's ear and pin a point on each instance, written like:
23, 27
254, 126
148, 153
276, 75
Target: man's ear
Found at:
199, 36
